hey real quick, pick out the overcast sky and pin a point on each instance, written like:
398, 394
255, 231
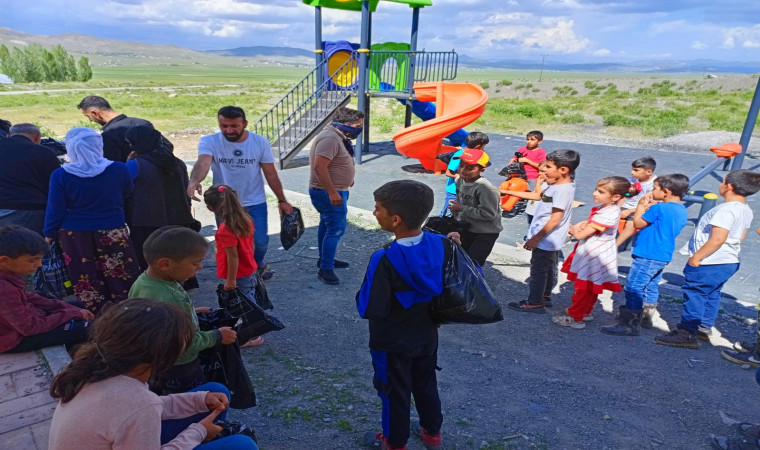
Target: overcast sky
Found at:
570, 30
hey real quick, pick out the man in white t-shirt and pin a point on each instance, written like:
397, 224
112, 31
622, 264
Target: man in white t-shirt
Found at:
238, 158
713, 253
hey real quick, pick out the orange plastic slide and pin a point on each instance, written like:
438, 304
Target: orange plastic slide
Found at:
457, 105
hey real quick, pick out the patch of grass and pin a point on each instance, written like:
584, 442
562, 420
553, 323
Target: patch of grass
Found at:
572, 118
505, 82
485, 85
344, 425
289, 415
565, 90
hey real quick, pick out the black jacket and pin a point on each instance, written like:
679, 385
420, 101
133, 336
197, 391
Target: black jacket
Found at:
25, 169
115, 146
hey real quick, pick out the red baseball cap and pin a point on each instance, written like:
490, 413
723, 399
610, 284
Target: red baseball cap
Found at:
474, 156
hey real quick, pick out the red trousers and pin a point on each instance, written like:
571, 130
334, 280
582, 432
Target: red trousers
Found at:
583, 303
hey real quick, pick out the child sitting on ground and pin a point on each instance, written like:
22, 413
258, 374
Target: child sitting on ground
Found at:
400, 282
234, 244
474, 140
103, 398
29, 321
660, 224
641, 172
478, 206
548, 229
592, 267
713, 253
175, 254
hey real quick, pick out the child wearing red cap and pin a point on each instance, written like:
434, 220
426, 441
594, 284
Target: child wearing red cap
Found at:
477, 204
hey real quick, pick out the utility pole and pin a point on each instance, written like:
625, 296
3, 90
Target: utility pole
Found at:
541, 74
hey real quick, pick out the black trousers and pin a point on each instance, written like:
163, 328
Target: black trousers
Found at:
478, 245
397, 378
543, 274
67, 334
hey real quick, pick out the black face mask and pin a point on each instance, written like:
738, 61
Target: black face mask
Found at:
349, 131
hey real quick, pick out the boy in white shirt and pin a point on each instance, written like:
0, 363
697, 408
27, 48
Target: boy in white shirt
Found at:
642, 172
713, 253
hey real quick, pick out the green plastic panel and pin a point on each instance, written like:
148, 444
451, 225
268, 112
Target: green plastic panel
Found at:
356, 5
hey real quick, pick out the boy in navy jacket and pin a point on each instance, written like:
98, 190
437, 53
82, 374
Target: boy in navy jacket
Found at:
401, 280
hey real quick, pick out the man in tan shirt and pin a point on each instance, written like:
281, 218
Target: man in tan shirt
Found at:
331, 159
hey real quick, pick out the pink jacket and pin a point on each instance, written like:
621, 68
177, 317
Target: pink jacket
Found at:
25, 314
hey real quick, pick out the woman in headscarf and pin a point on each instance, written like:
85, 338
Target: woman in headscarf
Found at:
160, 178
85, 212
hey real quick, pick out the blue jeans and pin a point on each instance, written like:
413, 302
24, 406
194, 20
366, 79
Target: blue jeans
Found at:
247, 286
643, 285
170, 429
332, 225
261, 232
701, 294
445, 211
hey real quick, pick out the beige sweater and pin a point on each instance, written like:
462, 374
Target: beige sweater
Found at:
121, 413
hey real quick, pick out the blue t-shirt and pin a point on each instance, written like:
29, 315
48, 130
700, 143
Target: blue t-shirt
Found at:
451, 187
658, 240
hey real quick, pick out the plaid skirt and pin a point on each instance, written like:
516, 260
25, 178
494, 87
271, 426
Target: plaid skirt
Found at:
102, 265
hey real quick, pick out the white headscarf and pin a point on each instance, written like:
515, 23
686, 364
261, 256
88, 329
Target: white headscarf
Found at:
85, 150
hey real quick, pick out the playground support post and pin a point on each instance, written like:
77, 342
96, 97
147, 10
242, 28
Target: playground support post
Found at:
363, 65
749, 125
318, 42
412, 63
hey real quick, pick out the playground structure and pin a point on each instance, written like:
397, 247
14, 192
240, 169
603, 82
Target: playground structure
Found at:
390, 70
731, 154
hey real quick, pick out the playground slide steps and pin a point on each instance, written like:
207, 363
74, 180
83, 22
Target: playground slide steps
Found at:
301, 128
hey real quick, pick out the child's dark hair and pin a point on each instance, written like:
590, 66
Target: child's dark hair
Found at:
16, 240
565, 158
476, 138
744, 181
647, 162
676, 183
173, 242
408, 199
225, 204
619, 186
127, 334
536, 134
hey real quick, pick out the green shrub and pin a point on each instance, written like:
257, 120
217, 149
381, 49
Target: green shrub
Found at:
505, 82
572, 118
485, 85
589, 84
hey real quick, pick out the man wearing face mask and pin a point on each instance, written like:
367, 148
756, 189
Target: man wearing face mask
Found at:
115, 126
331, 159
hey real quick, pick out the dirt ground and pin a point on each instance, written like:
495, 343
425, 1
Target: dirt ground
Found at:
521, 383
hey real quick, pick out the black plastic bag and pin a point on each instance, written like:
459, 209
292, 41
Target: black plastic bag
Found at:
217, 318
466, 297
260, 293
52, 279
223, 364
444, 225
291, 228
256, 323
446, 157
233, 301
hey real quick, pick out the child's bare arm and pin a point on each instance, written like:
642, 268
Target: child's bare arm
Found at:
582, 233
553, 222
450, 174
522, 194
641, 208
527, 161
717, 238
233, 261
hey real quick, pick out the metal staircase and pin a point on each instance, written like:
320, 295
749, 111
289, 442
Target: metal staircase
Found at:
304, 111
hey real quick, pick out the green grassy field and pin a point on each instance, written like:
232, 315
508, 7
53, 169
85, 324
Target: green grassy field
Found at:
631, 106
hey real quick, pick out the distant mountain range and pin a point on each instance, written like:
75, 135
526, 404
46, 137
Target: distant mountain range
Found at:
102, 51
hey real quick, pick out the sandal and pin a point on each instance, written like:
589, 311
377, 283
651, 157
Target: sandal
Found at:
567, 321
255, 342
751, 430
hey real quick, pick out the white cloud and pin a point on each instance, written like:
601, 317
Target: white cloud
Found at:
667, 27
728, 42
698, 45
561, 38
749, 43
601, 52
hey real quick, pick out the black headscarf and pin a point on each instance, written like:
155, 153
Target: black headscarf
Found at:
151, 145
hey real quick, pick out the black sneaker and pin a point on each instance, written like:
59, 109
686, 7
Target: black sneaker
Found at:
524, 306
328, 277
753, 359
232, 427
336, 264
266, 272
678, 338
745, 346
547, 302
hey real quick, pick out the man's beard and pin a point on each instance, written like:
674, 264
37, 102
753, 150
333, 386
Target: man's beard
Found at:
232, 137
